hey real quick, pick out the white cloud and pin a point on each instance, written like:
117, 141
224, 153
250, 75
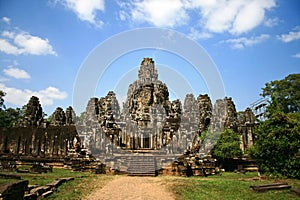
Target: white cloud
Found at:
271, 22
3, 79
8, 48
291, 36
8, 34
233, 16
6, 20
166, 13
297, 55
86, 10
16, 73
240, 43
33, 44
196, 35
217, 16
20, 97
24, 43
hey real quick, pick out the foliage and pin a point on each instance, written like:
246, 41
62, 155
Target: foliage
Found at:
277, 142
284, 94
277, 146
209, 137
228, 146
8, 117
82, 117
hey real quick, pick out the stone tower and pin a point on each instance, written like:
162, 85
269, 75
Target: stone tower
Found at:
150, 118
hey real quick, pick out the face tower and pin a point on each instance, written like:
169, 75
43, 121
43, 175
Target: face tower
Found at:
148, 112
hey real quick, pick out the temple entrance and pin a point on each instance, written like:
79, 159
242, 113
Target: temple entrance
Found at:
147, 113
147, 143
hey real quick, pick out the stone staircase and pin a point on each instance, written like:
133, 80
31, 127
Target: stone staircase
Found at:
142, 166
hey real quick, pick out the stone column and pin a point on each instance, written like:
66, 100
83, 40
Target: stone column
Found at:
142, 140
151, 141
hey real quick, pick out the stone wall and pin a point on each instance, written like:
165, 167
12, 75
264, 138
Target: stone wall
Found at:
51, 142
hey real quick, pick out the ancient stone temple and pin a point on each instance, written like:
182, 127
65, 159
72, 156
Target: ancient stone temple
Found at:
247, 123
33, 115
34, 138
158, 130
58, 117
149, 120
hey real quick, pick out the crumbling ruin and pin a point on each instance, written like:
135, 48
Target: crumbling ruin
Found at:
150, 120
33, 115
37, 141
149, 123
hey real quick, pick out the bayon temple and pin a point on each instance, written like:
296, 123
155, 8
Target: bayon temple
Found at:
149, 123
149, 120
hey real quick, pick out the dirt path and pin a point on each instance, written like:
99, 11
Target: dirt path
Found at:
126, 187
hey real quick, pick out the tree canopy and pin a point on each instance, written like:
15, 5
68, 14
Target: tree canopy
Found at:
228, 146
277, 139
284, 94
277, 146
9, 116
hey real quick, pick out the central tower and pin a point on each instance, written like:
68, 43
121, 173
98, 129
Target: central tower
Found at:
150, 117
147, 72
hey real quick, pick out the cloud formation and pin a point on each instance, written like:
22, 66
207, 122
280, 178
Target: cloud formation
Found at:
196, 35
167, 13
271, 22
24, 43
85, 10
291, 36
216, 16
242, 42
16, 73
20, 97
6, 20
297, 55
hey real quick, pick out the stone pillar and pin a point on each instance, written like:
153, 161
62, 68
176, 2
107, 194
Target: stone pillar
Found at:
142, 140
151, 141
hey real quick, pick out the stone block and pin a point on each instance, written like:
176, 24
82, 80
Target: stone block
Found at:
14, 190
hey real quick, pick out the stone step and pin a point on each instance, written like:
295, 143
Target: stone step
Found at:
275, 186
142, 166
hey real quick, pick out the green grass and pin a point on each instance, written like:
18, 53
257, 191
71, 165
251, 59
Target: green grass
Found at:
228, 186
83, 184
79, 188
45, 178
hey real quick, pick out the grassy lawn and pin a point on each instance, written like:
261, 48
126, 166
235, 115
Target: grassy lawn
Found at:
83, 184
227, 186
80, 187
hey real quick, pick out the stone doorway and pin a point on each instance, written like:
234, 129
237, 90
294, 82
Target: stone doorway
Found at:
146, 143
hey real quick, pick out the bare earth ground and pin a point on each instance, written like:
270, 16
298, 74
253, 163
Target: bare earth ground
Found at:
126, 187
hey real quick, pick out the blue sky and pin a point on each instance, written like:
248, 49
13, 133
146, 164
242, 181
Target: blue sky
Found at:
43, 45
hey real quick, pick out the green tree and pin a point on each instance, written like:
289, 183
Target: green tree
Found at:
284, 94
277, 146
10, 117
228, 146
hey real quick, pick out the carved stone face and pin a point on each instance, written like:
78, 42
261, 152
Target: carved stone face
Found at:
145, 96
175, 106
